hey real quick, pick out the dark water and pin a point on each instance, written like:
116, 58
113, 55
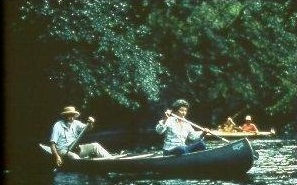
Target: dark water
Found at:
276, 165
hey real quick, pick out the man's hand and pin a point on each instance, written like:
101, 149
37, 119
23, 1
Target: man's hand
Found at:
168, 113
206, 130
58, 158
90, 119
59, 161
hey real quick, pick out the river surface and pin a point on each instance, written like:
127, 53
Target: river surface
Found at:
276, 164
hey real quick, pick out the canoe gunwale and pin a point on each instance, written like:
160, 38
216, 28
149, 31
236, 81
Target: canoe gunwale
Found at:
242, 134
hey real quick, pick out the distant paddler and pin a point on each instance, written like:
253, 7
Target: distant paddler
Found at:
248, 125
228, 126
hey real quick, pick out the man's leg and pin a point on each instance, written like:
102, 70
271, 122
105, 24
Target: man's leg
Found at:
69, 154
175, 151
93, 149
197, 145
73, 155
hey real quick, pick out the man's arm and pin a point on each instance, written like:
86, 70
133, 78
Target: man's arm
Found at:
56, 154
161, 126
255, 128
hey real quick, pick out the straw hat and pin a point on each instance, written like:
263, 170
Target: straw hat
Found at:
248, 118
70, 110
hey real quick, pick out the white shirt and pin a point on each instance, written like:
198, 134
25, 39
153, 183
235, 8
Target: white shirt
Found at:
176, 133
64, 134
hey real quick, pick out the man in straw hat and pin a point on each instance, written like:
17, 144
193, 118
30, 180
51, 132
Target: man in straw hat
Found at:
248, 125
66, 131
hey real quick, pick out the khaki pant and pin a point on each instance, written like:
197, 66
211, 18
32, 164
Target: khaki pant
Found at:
93, 150
89, 150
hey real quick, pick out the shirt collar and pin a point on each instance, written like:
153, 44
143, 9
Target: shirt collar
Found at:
64, 124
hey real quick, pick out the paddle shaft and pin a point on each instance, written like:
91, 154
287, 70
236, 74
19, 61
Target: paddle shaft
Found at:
199, 127
79, 137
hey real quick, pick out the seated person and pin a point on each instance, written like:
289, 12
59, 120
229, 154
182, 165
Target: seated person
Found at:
248, 125
177, 131
66, 131
228, 126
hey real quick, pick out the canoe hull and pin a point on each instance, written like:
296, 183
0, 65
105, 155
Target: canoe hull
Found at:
237, 156
237, 135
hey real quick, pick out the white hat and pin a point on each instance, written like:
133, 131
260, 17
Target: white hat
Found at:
70, 110
248, 118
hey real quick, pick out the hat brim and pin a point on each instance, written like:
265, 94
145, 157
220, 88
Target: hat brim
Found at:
71, 112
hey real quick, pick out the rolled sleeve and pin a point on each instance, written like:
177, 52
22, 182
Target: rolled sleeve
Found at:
55, 134
79, 126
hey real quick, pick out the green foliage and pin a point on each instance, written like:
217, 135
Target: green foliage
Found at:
232, 51
217, 53
104, 57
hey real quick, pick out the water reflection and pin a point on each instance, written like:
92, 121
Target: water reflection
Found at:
62, 178
147, 178
177, 178
277, 162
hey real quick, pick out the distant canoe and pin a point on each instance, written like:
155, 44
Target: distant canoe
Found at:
237, 157
237, 135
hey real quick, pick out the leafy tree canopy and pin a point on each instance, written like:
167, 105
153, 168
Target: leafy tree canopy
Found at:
103, 56
219, 54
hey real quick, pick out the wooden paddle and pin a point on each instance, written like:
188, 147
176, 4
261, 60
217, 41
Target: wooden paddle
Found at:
199, 127
74, 143
239, 112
